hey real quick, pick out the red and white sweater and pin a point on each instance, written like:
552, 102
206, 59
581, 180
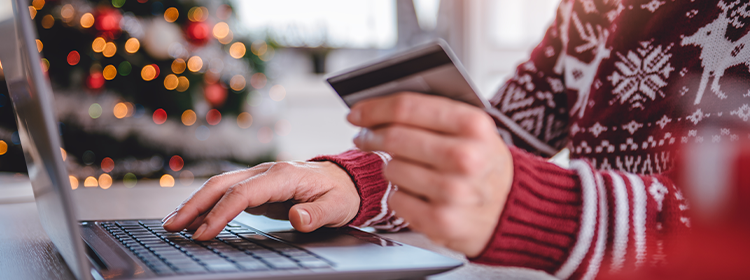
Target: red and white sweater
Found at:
621, 83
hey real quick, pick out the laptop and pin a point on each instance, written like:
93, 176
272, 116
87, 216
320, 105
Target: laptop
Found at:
142, 249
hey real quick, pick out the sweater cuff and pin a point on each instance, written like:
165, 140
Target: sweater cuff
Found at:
366, 171
541, 218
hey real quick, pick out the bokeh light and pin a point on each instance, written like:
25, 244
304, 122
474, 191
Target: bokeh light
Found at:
64, 154
178, 66
88, 157
120, 111
237, 83
131, 109
98, 44
87, 20
195, 64
166, 181
160, 116
277, 93
109, 72
186, 177
108, 164
202, 133
3, 147
265, 135
148, 72
171, 82
48, 21
45, 65
90, 182
237, 50
95, 111
73, 58
105, 181
39, 45
213, 117
38, 4
171, 14
130, 180
32, 12
132, 45
109, 49
118, 3
189, 117
283, 127
67, 12
268, 55
183, 84
176, 163
73, 182
125, 68
95, 80
221, 30
259, 47
258, 80
244, 120
227, 39
198, 14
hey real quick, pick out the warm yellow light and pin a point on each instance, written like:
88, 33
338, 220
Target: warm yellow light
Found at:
227, 39
73, 182
90, 182
109, 49
3, 147
48, 21
98, 44
171, 14
64, 154
39, 45
198, 14
148, 73
268, 55
45, 65
109, 72
189, 117
121, 110
87, 20
32, 12
38, 4
237, 50
178, 66
171, 82
195, 64
237, 83
67, 12
221, 30
244, 120
166, 181
183, 84
258, 80
277, 92
259, 47
105, 181
132, 45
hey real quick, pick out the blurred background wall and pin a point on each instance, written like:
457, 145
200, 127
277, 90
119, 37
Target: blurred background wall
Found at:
187, 89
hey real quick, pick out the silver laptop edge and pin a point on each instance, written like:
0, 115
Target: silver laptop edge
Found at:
356, 255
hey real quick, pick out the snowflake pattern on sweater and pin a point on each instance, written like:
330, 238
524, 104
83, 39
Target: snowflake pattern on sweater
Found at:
620, 83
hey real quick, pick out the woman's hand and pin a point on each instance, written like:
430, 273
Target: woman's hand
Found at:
452, 170
309, 194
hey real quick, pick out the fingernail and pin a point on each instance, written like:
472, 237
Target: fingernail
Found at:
354, 116
168, 216
169, 221
200, 231
304, 217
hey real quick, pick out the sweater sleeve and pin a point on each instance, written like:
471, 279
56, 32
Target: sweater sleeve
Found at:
579, 222
366, 171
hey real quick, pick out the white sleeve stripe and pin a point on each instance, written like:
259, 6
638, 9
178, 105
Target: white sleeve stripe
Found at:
639, 218
622, 214
384, 200
601, 239
588, 221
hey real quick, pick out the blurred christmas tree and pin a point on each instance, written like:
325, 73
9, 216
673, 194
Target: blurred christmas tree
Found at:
146, 88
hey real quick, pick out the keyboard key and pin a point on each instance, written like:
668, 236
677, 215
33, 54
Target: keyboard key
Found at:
281, 263
222, 267
314, 264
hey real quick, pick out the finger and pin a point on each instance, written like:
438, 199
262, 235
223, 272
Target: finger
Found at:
413, 210
203, 199
328, 210
252, 192
426, 111
417, 145
279, 210
422, 182
260, 210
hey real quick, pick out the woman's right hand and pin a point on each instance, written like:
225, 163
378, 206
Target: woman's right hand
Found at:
308, 194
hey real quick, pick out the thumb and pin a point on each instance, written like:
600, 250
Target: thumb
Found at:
310, 216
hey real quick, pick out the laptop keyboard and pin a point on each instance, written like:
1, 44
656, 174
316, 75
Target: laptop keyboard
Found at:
236, 248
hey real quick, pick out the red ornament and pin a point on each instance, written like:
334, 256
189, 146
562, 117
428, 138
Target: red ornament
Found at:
160, 116
215, 94
107, 22
95, 81
197, 33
